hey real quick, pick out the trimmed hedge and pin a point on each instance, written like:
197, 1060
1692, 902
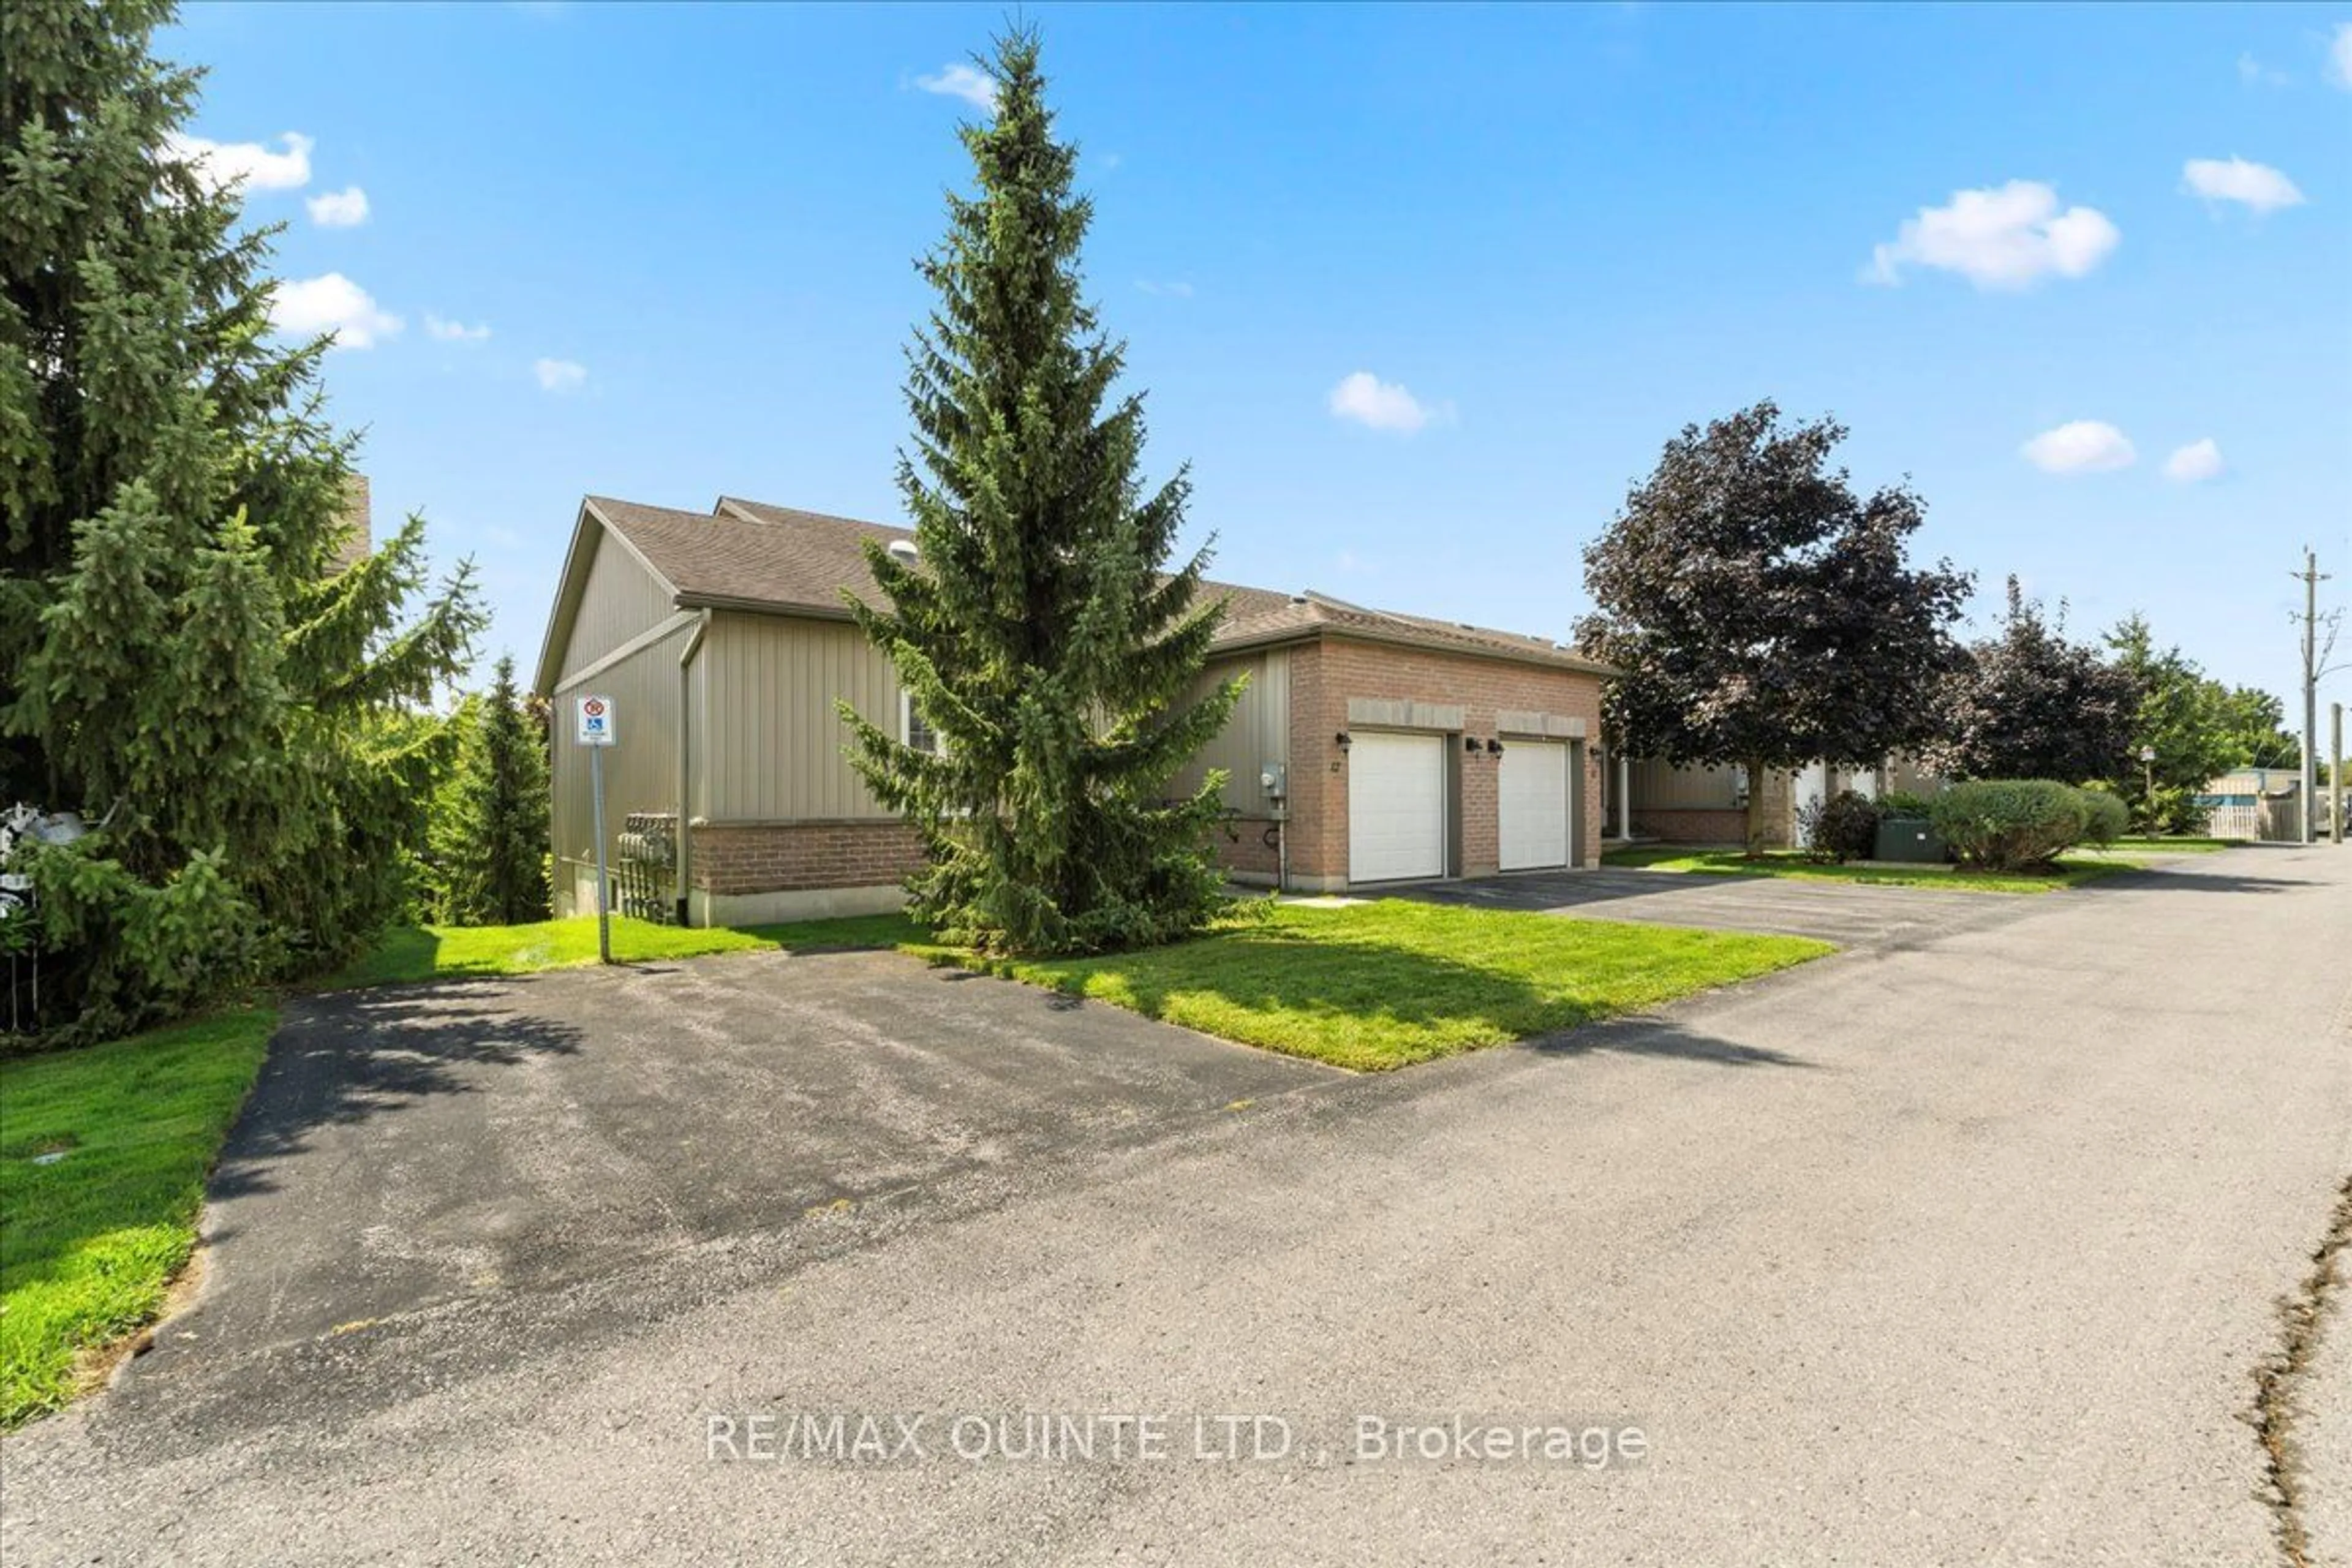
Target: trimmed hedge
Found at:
2006, 824
2106, 817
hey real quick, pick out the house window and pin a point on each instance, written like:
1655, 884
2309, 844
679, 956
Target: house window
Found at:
912, 730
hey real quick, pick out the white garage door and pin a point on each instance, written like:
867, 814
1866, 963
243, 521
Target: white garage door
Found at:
1534, 804
1396, 807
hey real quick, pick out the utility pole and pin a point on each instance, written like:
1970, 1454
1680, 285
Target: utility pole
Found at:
2312, 578
2335, 772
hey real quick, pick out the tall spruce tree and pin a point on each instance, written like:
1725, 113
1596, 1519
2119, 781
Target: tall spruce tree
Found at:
181, 660
1039, 636
489, 830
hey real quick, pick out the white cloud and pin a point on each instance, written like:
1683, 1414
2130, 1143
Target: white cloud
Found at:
1178, 290
338, 209
1382, 404
968, 82
2006, 239
2195, 463
2340, 56
2257, 186
448, 332
2253, 73
221, 163
333, 303
560, 374
2085, 446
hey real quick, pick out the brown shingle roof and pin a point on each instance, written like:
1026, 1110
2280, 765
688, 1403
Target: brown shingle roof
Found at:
752, 555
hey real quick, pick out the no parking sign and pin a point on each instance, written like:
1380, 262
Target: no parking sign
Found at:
595, 722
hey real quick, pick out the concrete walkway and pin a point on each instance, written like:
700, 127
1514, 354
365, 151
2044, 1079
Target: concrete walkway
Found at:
1960, 1250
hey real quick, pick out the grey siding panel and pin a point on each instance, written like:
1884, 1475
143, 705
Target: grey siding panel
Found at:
772, 745
1257, 733
620, 599
640, 772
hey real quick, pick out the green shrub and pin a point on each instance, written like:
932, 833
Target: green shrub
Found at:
1843, 827
1906, 804
2006, 824
2105, 816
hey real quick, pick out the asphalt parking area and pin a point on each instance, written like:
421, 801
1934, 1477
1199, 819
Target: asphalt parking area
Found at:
415, 1145
1851, 914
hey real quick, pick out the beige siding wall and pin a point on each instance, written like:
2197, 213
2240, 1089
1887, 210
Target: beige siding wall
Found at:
1660, 785
772, 744
620, 599
640, 771
1257, 733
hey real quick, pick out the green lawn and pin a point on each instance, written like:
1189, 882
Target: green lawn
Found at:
2166, 846
1388, 983
90, 1243
2073, 869
427, 952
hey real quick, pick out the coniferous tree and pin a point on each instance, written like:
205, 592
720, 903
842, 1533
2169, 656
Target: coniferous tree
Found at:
180, 658
1039, 635
490, 831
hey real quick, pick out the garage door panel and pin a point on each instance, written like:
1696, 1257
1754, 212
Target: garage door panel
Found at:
1533, 807
1396, 807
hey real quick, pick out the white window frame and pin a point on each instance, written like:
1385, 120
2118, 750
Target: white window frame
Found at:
906, 727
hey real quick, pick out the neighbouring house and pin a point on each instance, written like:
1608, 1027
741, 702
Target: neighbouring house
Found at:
1649, 797
1369, 747
2256, 802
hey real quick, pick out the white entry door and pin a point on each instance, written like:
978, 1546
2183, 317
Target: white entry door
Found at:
1534, 804
1396, 807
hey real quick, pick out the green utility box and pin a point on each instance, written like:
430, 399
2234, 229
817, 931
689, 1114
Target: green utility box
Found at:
1908, 838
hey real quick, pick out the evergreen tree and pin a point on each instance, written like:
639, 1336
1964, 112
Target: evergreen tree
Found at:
180, 658
1762, 613
490, 831
1039, 635
2029, 704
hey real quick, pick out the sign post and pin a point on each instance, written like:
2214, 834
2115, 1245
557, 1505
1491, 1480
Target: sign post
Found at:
595, 730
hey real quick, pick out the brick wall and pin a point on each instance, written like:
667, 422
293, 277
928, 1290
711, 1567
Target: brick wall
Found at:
760, 858
1691, 825
1244, 844
1325, 675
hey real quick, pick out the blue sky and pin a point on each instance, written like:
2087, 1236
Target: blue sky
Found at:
1418, 293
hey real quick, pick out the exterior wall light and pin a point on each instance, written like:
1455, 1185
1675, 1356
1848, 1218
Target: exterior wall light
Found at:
1495, 747
1470, 742
1343, 740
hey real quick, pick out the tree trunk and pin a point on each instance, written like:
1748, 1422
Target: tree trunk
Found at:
1759, 830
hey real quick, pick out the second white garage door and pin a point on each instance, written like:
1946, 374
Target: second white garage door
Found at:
1534, 804
1396, 807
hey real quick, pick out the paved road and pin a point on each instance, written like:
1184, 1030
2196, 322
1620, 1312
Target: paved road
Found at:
1961, 1250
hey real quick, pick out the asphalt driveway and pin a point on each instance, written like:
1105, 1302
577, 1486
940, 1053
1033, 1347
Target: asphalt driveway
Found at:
1964, 1251
415, 1145
1851, 914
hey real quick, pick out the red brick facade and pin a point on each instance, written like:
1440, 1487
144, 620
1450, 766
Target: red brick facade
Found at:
1323, 675
760, 858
